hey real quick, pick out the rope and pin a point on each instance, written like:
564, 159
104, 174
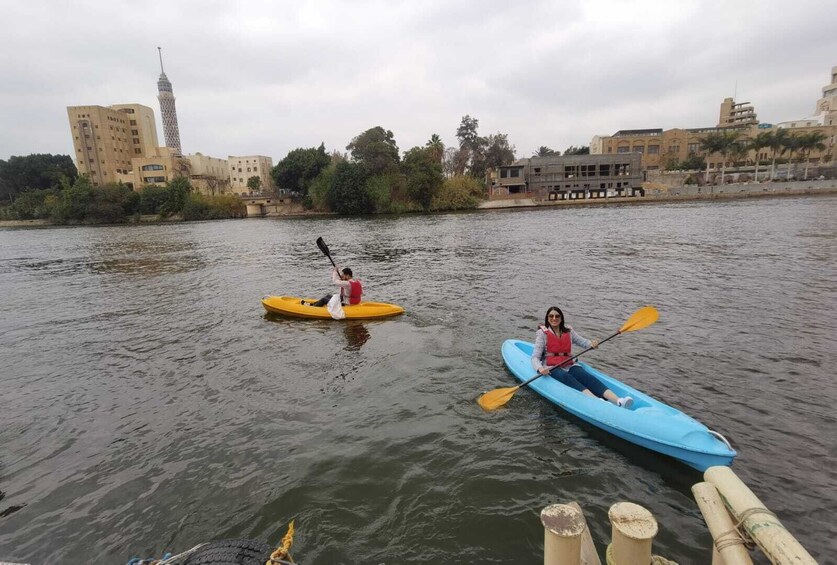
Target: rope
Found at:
283, 551
735, 536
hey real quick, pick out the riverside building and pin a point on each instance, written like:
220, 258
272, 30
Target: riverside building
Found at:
570, 177
107, 138
243, 168
661, 149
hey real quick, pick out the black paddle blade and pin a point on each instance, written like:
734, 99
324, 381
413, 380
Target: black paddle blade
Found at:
323, 247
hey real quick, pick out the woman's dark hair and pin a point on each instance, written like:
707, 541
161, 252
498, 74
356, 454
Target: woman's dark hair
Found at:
347, 271
561, 325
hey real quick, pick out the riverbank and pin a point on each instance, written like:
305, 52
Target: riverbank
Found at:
653, 195
683, 193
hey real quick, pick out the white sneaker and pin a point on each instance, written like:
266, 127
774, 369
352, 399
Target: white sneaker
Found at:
625, 402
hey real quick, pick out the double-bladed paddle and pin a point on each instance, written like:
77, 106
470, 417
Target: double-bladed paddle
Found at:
642, 318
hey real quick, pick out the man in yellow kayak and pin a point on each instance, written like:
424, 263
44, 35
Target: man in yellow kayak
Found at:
350, 289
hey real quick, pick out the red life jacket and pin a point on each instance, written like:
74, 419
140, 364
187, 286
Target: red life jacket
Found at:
357, 291
558, 349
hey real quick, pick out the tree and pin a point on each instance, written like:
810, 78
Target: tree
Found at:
254, 183
759, 142
299, 168
729, 145
472, 147
437, 147
710, 144
424, 175
544, 151
466, 133
498, 152
36, 172
347, 193
778, 142
176, 192
580, 150
376, 150
809, 142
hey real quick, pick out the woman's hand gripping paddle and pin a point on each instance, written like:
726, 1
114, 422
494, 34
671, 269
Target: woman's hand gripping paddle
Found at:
498, 397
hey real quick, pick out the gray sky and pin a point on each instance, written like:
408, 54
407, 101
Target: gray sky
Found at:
265, 77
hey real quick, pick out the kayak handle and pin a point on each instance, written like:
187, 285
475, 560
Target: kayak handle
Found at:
720, 437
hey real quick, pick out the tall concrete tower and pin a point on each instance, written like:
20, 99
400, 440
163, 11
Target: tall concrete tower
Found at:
167, 109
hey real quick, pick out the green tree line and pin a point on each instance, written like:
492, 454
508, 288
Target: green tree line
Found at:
80, 202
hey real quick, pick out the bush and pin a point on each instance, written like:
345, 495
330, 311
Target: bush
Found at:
31, 205
151, 199
200, 207
458, 193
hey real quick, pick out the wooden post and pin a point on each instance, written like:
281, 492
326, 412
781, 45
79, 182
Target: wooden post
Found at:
563, 526
588, 548
720, 526
633, 530
765, 529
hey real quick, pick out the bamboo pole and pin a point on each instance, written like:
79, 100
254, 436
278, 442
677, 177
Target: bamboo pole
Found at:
724, 534
563, 525
633, 531
588, 549
764, 527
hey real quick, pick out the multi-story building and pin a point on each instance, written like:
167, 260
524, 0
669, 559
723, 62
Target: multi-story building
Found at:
737, 114
242, 168
570, 177
158, 168
660, 149
209, 175
105, 139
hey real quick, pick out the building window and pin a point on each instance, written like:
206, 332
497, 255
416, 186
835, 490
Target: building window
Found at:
134, 132
136, 140
154, 179
639, 149
653, 149
138, 151
694, 148
604, 170
133, 122
154, 167
515, 172
623, 149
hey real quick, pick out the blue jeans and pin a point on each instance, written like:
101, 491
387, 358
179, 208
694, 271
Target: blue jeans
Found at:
579, 378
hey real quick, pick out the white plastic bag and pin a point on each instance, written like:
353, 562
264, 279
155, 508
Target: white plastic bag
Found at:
335, 308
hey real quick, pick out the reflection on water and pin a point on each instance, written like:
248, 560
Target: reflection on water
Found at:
356, 334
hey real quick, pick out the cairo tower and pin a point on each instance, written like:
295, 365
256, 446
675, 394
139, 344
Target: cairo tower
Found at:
167, 109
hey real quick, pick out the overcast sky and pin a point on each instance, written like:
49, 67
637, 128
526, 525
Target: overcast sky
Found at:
266, 77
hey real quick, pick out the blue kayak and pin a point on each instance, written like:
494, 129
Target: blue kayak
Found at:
648, 423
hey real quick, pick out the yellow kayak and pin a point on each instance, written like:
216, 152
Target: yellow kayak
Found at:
290, 306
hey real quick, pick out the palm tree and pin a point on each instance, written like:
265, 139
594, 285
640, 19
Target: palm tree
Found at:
807, 142
710, 144
544, 151
758, 143
729, 145
777, 141
792, 145
436, 147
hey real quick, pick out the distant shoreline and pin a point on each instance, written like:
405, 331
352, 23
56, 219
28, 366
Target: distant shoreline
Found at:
678, 194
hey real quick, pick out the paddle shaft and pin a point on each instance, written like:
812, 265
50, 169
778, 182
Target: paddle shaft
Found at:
539, 375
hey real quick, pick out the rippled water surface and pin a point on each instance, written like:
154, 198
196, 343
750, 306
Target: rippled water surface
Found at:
149, 404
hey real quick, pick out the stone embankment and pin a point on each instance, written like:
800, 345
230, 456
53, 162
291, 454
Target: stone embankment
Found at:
684, 193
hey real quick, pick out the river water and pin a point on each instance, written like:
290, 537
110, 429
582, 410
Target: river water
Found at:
150, 404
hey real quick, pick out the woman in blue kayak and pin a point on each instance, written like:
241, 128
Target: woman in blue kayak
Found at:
552, 353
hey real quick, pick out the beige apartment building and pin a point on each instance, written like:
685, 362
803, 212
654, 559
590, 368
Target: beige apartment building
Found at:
208, 175
661, 148
242, 168
105, 139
